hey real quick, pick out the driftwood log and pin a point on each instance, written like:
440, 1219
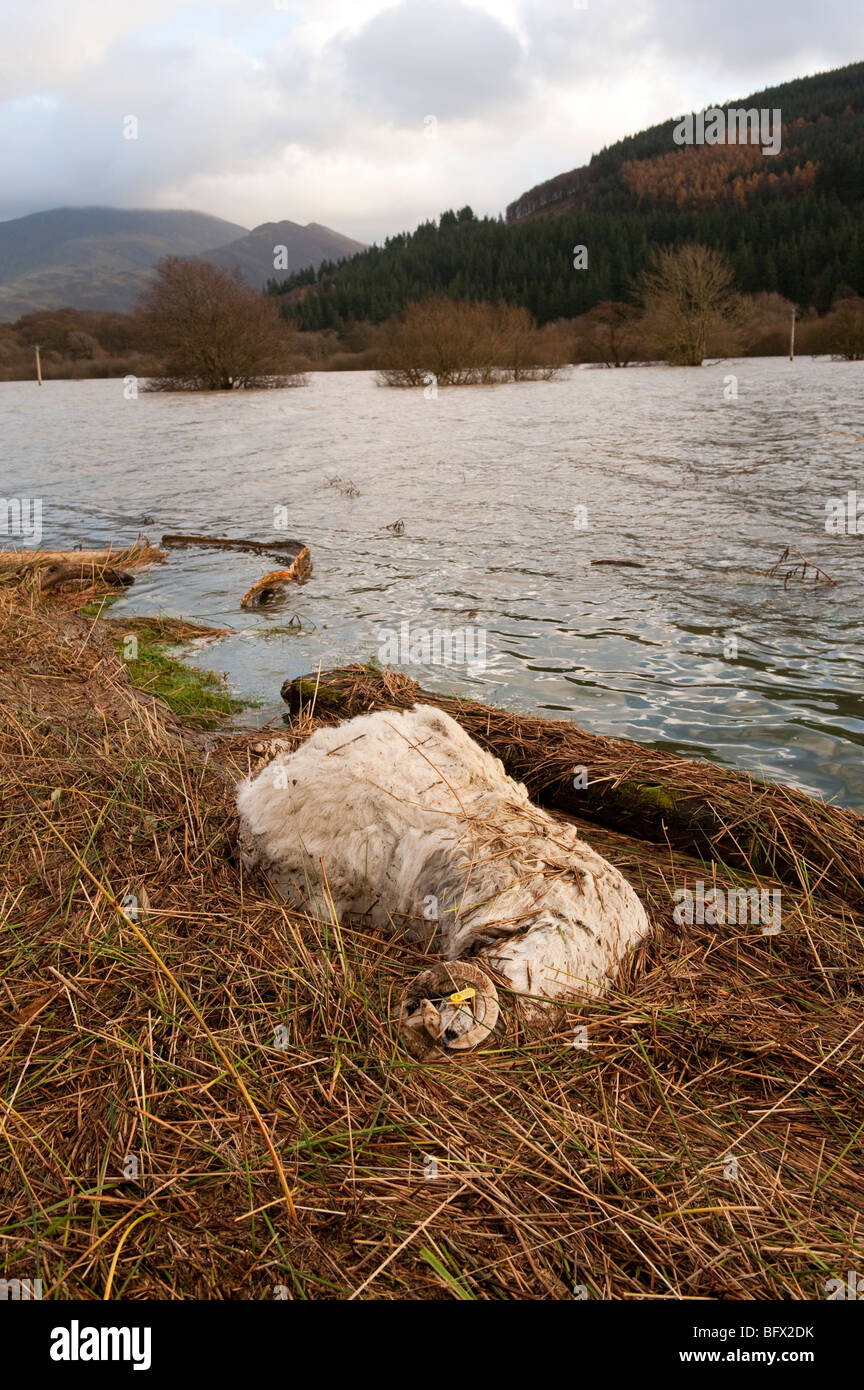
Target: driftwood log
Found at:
58, 575
295, 553
286, 550
712, 811
621, 564
273, 585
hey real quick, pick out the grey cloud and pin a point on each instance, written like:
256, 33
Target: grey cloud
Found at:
738, 45
793, 38
199, 111
567, 43
449, 60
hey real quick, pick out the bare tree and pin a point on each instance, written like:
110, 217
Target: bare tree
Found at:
213, 331
689, 298
841, 332
461, 343
766, 318
612, 332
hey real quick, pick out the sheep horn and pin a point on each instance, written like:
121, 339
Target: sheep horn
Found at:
447, 978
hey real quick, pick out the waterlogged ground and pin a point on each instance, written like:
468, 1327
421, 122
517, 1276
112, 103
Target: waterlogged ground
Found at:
689, 646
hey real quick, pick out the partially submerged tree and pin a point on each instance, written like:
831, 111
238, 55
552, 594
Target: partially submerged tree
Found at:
460, 343
612, 332
841, 332
766, 322
690, 302
214, 332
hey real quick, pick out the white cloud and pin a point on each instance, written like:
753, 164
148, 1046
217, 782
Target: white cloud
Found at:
48, 44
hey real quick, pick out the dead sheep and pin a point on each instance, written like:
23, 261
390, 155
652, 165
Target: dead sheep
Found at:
416, 825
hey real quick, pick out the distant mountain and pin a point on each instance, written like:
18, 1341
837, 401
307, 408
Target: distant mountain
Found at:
95, 258
256, 253
101, 258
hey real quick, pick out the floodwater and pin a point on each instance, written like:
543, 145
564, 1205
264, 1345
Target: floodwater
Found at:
507, 495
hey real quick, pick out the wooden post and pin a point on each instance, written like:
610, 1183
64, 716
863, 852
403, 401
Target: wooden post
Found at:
792, 339
38, 366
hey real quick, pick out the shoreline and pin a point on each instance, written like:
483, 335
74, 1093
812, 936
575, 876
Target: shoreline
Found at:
312, 368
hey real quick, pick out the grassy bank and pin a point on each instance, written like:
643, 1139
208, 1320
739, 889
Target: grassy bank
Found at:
203, 1095
199, 697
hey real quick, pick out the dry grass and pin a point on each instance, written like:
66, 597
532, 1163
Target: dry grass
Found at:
602, 1167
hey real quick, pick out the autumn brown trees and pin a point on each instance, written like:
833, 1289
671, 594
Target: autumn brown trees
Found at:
459, 343
612, 333
213, 332
841, 332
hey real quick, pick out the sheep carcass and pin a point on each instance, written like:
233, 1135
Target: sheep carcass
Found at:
415, 824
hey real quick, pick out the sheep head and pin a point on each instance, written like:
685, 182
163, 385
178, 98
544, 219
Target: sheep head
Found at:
453, 1007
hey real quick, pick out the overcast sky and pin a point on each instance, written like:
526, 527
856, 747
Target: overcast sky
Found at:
318, 110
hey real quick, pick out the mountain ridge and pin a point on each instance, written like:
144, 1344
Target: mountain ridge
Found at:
100, 258
255, 253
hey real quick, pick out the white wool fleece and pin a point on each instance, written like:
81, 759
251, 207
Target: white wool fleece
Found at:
415, 823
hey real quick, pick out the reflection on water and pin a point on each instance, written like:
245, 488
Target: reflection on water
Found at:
698, 493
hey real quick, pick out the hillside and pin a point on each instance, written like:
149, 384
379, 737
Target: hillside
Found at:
95, 258
304, 246
791, 224
822, 150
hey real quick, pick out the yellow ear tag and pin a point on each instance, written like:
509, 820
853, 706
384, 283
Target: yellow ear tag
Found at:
463, 995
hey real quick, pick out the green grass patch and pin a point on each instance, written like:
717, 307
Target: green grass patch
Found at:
200, 698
